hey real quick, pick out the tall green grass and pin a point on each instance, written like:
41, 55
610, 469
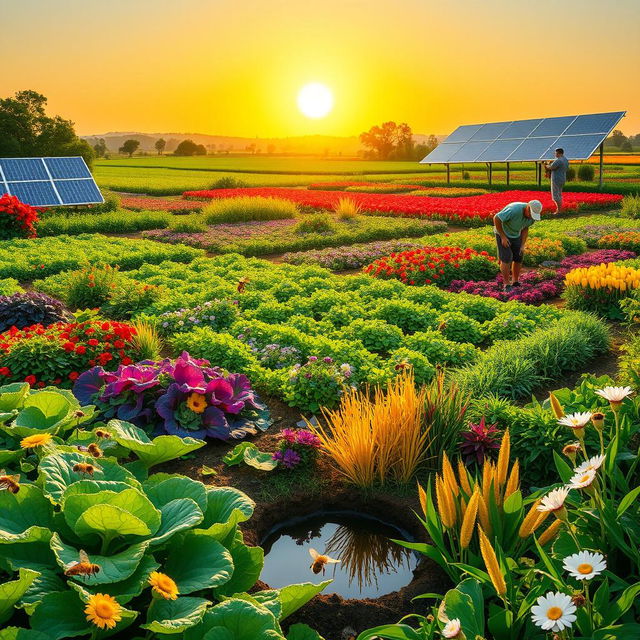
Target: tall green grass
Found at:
631, 206
247, 209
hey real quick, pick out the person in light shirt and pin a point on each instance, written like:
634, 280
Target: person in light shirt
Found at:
558, 174
511, 226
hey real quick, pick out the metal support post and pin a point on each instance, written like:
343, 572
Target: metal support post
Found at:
601, 164
448, 174
508, 176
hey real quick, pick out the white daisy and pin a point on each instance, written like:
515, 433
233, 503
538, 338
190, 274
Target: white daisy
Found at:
576, 420
582, 480
593, 463
554, 500
554, 612
615, 394
452, 629
585, 565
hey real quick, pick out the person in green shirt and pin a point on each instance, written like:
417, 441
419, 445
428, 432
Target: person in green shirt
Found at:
511, 226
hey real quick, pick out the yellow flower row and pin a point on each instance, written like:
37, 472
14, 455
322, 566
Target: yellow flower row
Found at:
604, 276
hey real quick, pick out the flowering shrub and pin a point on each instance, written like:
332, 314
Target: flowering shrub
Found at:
592, 233
17, 219
434, 265
25, 309
600, 288
621, 240
217, 314
58, 353
319, 382
473, 209
540, 250
298, 448
185, 397
175, 205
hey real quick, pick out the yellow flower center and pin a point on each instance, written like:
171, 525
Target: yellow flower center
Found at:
585, 569
585, 478
163, 585
554, 613
104, 609
196, 402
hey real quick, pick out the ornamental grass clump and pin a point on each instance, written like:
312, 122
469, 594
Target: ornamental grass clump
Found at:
601, 288
248, 208
377, 437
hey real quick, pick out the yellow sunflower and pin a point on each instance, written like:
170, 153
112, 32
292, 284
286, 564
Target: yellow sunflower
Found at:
38, 440
103, 611
163, 585
196, 402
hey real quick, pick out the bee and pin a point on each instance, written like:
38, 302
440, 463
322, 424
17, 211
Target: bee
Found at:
242, 284
9, 483
82, 567
94, 450
105, 435
401, 366
84, 468
319, 561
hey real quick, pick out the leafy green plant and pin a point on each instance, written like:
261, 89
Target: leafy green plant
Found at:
630, 207
248, 208
315, 223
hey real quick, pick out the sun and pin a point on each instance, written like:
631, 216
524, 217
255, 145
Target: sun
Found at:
315, 100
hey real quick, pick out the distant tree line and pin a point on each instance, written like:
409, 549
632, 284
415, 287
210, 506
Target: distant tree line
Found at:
27, 131
624, 143
392, 141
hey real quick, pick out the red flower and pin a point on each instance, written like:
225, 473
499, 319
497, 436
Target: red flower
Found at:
81, 349
31, 380
92, 342
68, 346
73, 375
5, 371
119, 344
127, 360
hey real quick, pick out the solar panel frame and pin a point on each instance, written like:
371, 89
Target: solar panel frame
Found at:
539, 137
48, 170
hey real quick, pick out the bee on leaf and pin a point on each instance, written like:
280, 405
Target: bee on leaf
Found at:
82, 567
84, 468
9, 483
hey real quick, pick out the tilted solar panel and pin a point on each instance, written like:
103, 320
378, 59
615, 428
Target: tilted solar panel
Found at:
49, 182
526, 140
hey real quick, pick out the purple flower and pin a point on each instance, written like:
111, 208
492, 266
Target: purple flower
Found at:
287, 458
327, 359
289, 435
307, 438
312, 358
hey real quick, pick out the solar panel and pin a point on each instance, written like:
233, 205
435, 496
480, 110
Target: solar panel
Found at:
48, 182
526, 140
67, 168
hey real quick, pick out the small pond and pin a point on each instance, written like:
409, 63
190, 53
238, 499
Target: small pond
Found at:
370, 564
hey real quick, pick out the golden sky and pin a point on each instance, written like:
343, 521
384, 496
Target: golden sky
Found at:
234, 67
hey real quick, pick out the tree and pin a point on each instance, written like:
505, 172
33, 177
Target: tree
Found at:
390, 140
27, 131
617, 138
626, 146
130, 146
160, 145
190, 148
100, 148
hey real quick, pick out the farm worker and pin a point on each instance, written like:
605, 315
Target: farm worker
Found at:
511, 226
558, 170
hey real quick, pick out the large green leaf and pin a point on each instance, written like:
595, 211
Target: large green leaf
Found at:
23, 510
56, 471
113, 568
152, 452
60, 615
177, 515
226, 507
12, 591
295, 596
259, 459
12, 395
247, 566
198, 561
16, 633
130, 500
161, 493
109, 521
42, 412
8, 456
31, 552
460, 605
175, 616
236, 620
302, 632
47, 582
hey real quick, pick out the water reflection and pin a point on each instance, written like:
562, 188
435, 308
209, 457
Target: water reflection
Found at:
370, 564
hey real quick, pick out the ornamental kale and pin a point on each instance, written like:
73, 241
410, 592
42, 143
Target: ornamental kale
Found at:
185, 397
297, 448
22, 310
478, 441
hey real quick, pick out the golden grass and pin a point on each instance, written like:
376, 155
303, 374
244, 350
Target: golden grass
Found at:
379, 436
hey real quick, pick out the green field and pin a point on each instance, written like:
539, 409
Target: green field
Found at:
168, 175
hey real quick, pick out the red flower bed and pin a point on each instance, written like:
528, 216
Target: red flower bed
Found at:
466, 209
57, 354
143, 203
338, 186
17, 219
435, 265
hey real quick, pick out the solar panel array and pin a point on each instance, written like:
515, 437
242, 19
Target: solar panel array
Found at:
49, 182
526, 140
